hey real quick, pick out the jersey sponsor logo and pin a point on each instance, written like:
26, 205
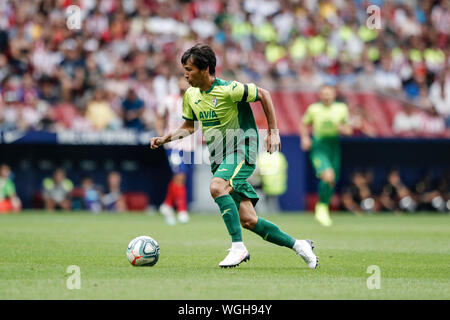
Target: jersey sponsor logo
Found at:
207, 115
209, 118
211, 123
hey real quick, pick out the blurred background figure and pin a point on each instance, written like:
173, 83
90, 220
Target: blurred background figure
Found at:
271, 175
395, 195
9, 201
57, 191
179, 155
100, 113
362, 122
329, 119
358, 197
132, 110
91, 195
444, 188
407, 122
113, 199
430, 193
431, 123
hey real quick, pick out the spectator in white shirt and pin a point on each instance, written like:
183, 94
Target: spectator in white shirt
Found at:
431, 123
385, 79
440, 94
407, 121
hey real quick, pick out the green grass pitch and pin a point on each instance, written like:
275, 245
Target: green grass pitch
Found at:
412, 252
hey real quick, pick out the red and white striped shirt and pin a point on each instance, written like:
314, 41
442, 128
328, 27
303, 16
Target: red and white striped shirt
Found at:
172, 108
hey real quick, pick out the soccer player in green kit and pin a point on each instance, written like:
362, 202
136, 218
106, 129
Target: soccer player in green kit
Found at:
223, 109
329, 119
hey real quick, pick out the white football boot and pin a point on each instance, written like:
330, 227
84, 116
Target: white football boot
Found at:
183, 217
304, 249
236, 255
168, 213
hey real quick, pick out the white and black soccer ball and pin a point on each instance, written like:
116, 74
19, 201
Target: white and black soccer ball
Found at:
143, 251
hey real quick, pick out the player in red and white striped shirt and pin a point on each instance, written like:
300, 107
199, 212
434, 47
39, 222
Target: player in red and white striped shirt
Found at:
168, 119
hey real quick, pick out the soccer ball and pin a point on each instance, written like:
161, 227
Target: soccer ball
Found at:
143, 251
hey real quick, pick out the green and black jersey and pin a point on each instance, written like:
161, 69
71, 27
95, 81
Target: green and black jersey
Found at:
326, 119
226, 118
326, 151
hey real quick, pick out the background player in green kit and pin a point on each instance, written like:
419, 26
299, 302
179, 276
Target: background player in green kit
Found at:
329, 119
223, 109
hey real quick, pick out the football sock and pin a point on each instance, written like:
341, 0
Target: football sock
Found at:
270, 232
180, 197
230, 216
169, 196
325, 192
237, 245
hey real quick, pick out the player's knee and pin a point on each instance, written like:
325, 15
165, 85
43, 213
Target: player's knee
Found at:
218, 187
248, 222
328, 176
179, 178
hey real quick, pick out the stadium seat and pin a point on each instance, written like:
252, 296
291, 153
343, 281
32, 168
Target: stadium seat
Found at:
313, 198
136, 201
38, 201
335, 202
291, 106
77, 193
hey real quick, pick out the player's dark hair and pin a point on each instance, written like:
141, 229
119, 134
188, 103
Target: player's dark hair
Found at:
202, 57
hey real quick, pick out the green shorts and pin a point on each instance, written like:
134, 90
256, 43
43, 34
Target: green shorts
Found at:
237, 173
326, 154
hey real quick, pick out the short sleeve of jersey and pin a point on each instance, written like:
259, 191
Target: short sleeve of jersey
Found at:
344, 113
307, 117
188, 113
240, 92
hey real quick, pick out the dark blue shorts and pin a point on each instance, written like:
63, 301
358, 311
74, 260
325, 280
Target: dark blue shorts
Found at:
179, 160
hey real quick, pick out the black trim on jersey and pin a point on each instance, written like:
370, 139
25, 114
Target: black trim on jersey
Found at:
195, 118
244, 97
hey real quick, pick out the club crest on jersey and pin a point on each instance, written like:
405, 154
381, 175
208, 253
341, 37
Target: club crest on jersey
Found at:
214, 101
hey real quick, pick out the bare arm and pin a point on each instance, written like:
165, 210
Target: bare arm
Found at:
346, 129
186, 129
305, 139
272, 141
160, 125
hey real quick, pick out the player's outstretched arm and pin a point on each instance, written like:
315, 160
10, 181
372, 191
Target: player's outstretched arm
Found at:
186, 129
272, 141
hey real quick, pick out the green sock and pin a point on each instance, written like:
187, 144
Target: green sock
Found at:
230, 215
325, 192
270, 232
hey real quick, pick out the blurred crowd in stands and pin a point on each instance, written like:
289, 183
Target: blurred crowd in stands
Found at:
114, 71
